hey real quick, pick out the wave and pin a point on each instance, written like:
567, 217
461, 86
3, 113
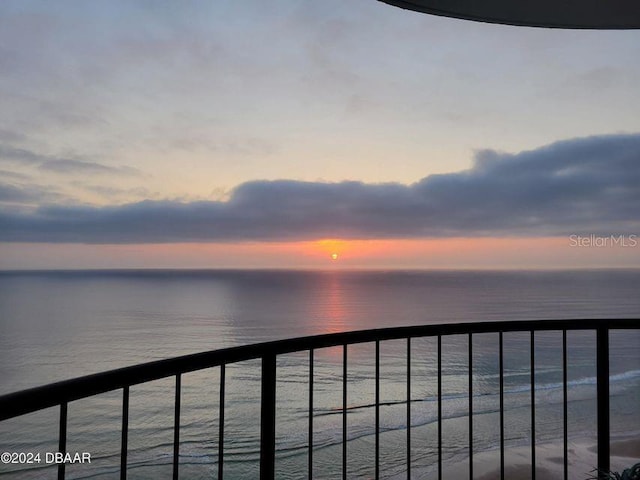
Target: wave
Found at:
621, 377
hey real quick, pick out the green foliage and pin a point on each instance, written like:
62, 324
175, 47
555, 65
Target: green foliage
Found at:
632, 473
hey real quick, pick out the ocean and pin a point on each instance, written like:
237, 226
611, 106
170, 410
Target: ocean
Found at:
64, 324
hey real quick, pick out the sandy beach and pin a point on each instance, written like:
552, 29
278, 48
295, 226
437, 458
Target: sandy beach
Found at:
582, 456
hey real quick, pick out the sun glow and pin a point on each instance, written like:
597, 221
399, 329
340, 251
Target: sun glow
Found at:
334, 256
474, 253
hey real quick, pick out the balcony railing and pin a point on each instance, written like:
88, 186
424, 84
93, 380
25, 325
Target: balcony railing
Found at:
61, 393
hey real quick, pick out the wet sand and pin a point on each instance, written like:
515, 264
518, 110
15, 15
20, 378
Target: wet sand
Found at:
582, 459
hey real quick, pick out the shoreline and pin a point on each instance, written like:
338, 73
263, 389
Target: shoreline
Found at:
581, 453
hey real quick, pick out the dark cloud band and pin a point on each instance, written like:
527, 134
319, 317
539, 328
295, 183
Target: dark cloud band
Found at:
585, 185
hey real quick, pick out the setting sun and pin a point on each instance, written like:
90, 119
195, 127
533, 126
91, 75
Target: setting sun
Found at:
334, 256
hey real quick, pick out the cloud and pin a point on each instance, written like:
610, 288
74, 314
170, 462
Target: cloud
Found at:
66, 166
61, 165
115, 192
29, 194
10, 136
21, 156
7, 174
12, 193
584, 185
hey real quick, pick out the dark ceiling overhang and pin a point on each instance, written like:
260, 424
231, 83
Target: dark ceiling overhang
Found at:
589, 14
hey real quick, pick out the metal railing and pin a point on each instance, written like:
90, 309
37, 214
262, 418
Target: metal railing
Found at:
61, 393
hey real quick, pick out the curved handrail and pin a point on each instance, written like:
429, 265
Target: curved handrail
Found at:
38, 398
620, 14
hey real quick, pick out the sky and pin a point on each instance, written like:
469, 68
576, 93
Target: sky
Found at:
197, 134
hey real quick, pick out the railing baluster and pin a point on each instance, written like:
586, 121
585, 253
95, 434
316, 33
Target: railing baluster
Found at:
221, 424
564, 405
62, 439
344, 411
470, 406
501, 407
439, 407
125, 433
311, 414
176, 429
602, 342
268, 418
532, 362
409, 408
377, 469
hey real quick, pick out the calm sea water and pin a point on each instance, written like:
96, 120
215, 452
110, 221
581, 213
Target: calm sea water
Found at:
58, 325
